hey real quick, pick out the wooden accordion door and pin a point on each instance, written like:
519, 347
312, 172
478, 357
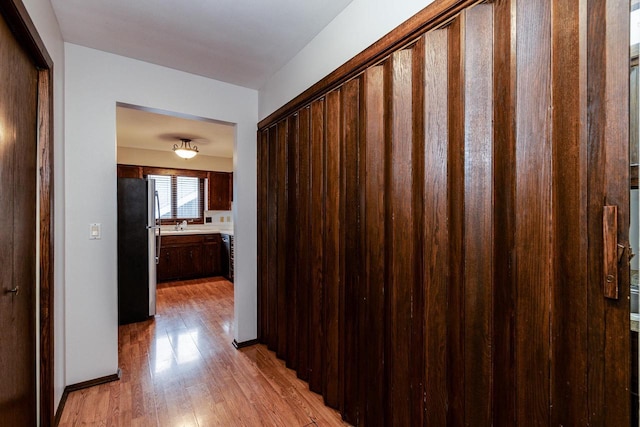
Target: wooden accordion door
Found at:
431, 228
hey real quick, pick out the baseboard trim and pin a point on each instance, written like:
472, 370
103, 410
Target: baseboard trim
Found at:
79, 386
243, 344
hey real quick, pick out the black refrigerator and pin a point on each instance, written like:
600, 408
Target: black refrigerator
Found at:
138, 249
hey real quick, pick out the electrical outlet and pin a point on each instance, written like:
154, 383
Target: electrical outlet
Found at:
228, 219
221, 219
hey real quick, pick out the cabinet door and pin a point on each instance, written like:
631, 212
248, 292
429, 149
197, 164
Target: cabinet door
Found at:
191, 257
211, 260
129, 171
220, 191
169, 263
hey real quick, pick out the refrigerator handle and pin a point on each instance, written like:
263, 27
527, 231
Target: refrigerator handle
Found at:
157, 197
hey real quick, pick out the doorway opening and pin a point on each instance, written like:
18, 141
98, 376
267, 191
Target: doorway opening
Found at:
175, 215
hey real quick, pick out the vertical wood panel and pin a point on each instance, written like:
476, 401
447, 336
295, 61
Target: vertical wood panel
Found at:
569, 303
302, 244
504, 391
596, 158
272, 257
608, 127
416, 345
435, 226
609, 95
478, 213
350, 307
455, 309
291, 268
533, 202
333, 259
616, 172
401, 254
374, 379
316, 324
282, 226
263, 215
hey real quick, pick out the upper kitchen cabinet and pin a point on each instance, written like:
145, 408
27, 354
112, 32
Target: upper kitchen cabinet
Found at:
130, 171
220, 191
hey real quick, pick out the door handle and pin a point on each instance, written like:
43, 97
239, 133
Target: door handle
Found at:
14, 291
611, 251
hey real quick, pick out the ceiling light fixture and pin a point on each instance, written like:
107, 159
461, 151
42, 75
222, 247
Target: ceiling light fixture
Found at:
185, 150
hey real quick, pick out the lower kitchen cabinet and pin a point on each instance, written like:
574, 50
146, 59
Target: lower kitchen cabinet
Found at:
211, 260
169, 264
188, 257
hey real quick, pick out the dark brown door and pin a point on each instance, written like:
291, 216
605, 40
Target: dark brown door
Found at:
18, 106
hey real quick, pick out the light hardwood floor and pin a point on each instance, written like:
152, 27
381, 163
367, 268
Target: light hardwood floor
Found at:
182, 370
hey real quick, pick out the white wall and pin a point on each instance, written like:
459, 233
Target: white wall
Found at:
358, 26
95, 81
168, 159
46, 24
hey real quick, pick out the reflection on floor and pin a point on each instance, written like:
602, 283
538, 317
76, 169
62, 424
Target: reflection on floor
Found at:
181, 370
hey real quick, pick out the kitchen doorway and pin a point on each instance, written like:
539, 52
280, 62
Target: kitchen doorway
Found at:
175, 193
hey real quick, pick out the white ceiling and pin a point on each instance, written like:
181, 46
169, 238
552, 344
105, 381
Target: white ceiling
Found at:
243, 42
150, 130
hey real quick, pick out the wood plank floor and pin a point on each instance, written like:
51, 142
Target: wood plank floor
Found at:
181, 369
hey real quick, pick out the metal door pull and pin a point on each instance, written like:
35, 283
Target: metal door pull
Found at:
14, 290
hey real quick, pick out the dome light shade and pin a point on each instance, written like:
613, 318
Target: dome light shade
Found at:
185, 150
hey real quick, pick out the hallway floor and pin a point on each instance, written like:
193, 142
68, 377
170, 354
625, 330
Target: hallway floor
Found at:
182, 370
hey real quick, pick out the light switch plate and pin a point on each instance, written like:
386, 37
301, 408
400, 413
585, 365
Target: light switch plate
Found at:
95, 231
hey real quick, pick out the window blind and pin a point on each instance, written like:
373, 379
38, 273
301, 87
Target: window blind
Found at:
181, 197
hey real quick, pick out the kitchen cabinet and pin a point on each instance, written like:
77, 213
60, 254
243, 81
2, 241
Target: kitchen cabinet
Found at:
130, 171
211, 251
220, 191
168, 267
189, 256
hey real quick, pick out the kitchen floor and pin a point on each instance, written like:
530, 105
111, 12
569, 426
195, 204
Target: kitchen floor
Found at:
182, 370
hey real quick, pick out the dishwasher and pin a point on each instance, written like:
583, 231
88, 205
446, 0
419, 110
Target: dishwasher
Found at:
227, 256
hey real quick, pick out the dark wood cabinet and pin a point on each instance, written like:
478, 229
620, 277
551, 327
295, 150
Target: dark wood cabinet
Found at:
211, 259
129, 171
169, 263
220, 191
189, 256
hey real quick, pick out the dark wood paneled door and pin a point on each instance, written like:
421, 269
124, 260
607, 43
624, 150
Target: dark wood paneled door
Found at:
18, 140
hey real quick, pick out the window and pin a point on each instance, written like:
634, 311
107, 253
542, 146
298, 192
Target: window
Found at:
181, 197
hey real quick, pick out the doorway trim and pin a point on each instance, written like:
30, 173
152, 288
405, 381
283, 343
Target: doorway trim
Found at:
23, 28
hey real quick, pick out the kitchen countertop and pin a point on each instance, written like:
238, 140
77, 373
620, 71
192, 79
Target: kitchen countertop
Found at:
195, 230
635, 318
